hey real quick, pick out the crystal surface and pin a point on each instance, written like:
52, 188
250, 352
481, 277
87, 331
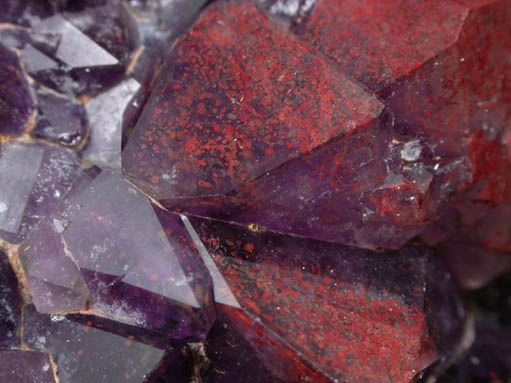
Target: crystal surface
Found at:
315, 310
403, 172
17, 101
151, 279
60, 119
25, 367
10, 305
34, 177
105, 113
84, 353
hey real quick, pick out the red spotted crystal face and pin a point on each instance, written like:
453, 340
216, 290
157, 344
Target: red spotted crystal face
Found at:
353, 122
312, 309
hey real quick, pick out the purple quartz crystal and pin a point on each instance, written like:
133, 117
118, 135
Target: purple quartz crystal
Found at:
16, 101
152, 279
17, 366
54, 280
10, 305
79, 65
34, 179
84, 353
60, 119
316, 310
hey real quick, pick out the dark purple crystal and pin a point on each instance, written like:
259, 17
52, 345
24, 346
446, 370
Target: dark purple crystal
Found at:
60, 119
16, 101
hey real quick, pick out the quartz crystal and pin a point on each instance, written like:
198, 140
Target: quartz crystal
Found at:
19, 366
60, 119
17, 101
216, 139
315, 310
83, 353
226, 191
105, 113
134, 264
33, 179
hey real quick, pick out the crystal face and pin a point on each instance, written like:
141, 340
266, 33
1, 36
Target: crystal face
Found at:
34, 179
226, 191
151, 279
326, 307
403, 171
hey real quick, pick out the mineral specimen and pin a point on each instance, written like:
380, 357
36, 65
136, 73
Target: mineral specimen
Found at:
60, 119
16, 101
83, 353
19, 366
239, 129
104, 113
134, 263
293, 171
10, 305
320, 311
34, 177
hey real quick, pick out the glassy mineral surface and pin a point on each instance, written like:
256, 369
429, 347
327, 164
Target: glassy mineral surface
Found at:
109, 252
226, 191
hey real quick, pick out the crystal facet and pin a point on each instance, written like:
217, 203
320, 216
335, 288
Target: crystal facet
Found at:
315, 310
151, 279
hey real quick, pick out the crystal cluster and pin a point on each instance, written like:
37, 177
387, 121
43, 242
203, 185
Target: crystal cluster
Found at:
273, 191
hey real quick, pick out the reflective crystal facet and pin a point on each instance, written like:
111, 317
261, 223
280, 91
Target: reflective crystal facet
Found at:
109, 252
315, 310
33, 179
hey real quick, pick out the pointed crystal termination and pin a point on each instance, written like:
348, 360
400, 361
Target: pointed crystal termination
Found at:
25, 367
84, 353
317, 311
442, 68
34, 178
88, 57
10, 305
241, 128
131, 262
17, 102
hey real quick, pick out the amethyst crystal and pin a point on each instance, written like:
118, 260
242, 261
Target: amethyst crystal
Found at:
16, 100
10, 305
60, 119
316, 310
34, 179
17, 366
152, 279
84, 353
79, 64
55, 282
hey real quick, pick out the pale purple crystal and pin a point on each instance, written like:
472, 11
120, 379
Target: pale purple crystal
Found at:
17, 366
34, 179
139, 266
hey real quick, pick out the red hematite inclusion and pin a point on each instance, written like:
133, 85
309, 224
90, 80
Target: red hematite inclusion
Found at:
356, 333
320, 312
214, 116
